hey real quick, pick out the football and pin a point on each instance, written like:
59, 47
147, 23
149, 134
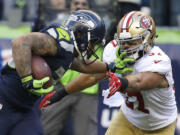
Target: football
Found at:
41, 69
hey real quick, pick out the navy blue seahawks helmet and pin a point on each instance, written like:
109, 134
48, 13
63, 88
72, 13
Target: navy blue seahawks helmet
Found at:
87, 29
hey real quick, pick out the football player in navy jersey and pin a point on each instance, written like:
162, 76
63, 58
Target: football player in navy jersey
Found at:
63, 48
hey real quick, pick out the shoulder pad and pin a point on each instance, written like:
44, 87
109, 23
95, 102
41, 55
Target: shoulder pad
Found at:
62, 36
58, 32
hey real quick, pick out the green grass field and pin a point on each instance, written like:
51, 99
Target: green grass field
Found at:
11, 33
168, 36
165, 35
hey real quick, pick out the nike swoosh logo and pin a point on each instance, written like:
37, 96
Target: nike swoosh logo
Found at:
157, 61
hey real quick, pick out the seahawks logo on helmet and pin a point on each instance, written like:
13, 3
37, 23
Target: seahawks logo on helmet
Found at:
84, 19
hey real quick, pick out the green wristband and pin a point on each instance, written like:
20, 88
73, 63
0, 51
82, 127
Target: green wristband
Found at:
27, 78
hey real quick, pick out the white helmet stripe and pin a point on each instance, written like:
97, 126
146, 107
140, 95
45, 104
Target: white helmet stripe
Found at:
126, 21
75, 43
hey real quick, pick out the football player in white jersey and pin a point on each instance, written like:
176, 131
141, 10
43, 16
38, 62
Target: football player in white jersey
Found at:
150, 106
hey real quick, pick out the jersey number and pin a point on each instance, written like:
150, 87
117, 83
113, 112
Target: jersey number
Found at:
140, 100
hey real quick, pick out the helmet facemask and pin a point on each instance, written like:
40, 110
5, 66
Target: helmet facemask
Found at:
84, 42
141, 46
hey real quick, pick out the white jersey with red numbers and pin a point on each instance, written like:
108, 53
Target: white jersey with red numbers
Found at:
150, 109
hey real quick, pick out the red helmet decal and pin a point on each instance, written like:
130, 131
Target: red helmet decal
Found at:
126, 21
145, 22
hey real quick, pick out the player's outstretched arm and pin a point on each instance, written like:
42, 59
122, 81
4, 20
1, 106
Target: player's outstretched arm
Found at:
145, 81
84, 81
136, 82
95, 67
79, 83
120, 65
24, 46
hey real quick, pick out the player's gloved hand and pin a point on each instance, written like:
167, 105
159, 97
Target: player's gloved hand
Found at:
53, 97
116, 84
36, 86
121, 65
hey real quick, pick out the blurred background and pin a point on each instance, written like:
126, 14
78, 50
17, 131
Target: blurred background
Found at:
18, 17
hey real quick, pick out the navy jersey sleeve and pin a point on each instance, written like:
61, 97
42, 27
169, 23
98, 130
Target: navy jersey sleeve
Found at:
62, 36
64, 57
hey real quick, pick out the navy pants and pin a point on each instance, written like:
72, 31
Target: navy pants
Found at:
17, 121
18, 115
